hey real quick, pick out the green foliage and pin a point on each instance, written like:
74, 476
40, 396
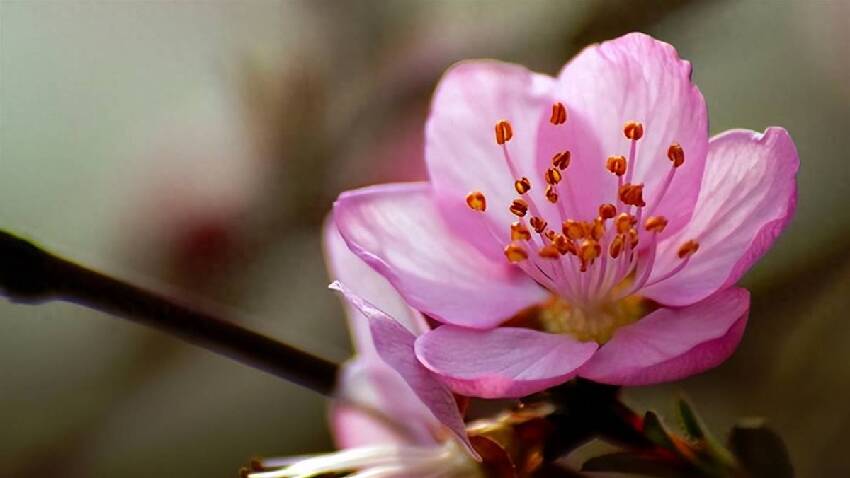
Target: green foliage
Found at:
754, 451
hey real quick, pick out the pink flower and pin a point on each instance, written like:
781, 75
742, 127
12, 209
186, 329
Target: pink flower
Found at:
389, 421
599, 234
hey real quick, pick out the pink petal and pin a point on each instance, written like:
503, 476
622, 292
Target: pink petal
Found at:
347, 268
670, 344
398, 231
460, 144
631, 78
352, 428
395, 345
371, 400
748, 196
502, 362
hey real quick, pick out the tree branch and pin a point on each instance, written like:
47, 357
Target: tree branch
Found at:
31, 275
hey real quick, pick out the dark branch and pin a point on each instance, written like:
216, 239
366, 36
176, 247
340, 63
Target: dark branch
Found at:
31, 275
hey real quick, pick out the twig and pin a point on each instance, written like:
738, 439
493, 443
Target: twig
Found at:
31, 275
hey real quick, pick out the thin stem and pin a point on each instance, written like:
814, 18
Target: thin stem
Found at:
31, 275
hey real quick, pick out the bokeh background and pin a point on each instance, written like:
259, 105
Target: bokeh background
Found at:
196, 147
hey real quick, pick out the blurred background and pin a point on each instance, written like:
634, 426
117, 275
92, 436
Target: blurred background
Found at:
196, 147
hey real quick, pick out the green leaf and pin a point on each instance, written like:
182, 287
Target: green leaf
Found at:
691, 423
654, 430
643, 464
760, 451
718, 457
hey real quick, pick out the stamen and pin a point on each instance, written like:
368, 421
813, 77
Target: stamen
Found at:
648, 265
515, 253
559, 114
596, 229
633, 130
522, 185
617, 245
538, 224
564, 245
550, 234
519, 232
588, 252
519, 207
676, 154
561, 160
476, 201
688, 249
616, 164
634, 238
552, 194
549, 251
573, 229
624, 222
607, 211
632, 195
655, 224
504, 132
553, 176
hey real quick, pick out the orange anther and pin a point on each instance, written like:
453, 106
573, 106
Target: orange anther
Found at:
633, 237
553, 176
588, 251
616, 164
563, 244
597, 229
655, 224
549, 251
559, 113
504, 132
552, 194
519, 232
676, 154
522, 185
624, 222
519, 207
633, 130
688, 249
538, 224
607, 211
632, 194
476, 201
561, 160
515, 253
617, 245
573, 229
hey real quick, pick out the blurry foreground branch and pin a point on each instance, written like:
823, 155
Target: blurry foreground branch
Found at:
31, 275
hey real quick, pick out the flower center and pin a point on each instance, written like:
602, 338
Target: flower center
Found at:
595, 266
594, 323
598, 324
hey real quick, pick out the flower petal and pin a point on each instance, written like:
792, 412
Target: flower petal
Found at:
748, 196
395, 345
398, 231
670, 344
460, 144
370, 398
502, 362
347, 268
631, 78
